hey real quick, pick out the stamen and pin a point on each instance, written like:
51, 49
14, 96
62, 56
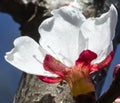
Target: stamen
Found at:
64, 58
34, 56
87, 42
43, 51
52, 51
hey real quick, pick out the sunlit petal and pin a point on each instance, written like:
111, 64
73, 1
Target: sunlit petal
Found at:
60, 35
28, 56
99, 32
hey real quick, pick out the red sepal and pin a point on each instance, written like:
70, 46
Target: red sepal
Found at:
86, 57
54, 66
50, 79
103, 64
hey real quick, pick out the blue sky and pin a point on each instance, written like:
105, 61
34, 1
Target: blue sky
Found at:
9, 76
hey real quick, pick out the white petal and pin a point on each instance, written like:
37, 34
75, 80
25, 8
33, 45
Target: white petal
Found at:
100, 32
27, 56
70, 14
117, 100
60, 34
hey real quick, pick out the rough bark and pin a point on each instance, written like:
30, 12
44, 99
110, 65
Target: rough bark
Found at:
32, 90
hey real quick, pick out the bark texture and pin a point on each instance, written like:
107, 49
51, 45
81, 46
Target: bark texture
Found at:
32, 90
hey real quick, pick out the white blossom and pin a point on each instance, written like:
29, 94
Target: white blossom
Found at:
64, 36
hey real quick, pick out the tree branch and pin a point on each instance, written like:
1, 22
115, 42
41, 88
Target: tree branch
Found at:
113, 92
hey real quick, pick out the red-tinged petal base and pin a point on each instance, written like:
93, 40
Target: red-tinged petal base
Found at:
103, 64
54, 66
77, 76
86, 57
50, 79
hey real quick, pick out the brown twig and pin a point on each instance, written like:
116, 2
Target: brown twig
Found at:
113, 92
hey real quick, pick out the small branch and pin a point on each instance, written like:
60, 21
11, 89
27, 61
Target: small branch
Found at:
85, 98
113, 92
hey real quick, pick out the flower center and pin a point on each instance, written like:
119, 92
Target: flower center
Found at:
79, 80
